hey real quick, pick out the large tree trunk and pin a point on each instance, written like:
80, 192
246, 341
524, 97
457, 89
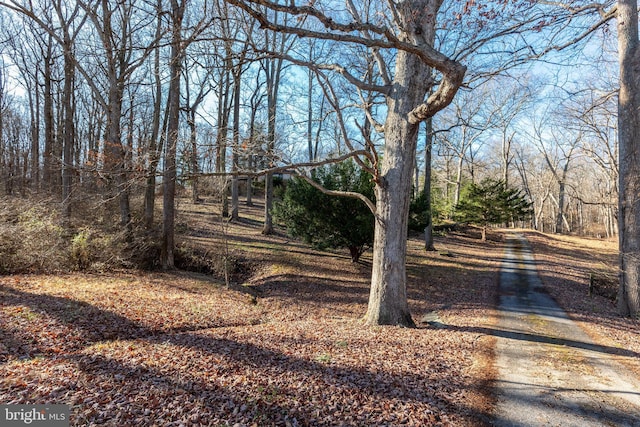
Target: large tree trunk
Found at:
406, 107
629, 140
388, 298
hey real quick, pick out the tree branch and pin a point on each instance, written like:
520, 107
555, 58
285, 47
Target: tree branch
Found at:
429, 55
385, 90
452, 76
366, 106
290, 168
332, 98
351, 194
382, 65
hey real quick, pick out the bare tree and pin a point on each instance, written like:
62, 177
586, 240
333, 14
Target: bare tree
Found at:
197, 76
71, 22
35, 54
313, 135
5, 167
179, 44
107, 68
508, 102
24, 48
48, 166
169, 176
593, 113
273, 66
155, 144
521, 162
466, 123
239, 68
428, 231
558, 148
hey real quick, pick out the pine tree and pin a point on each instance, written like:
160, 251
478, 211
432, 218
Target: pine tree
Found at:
492, 202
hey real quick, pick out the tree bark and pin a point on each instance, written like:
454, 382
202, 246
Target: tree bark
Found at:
629, 139
49, 129
251, 147
193, 142
224, 111
3, 166
506, 156
169, 177
153, 149
267, 227
428, 231
406, 108
310, 109
561, 204
388, 304
115, 155
68, 129
114, 151
458, 183
235, 196
274, 72
34, 108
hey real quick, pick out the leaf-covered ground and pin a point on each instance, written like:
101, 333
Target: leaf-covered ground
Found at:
282, 345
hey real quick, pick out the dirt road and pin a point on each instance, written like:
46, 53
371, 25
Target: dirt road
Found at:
550, 373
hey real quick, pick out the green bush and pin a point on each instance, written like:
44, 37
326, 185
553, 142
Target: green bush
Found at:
326, 221
419, 215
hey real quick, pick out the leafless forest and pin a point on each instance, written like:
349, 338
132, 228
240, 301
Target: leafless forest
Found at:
144, 146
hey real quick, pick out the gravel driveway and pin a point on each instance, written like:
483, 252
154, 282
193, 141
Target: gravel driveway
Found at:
550, 373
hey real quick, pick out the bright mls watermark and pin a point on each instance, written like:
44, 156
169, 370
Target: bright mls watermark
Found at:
34, 415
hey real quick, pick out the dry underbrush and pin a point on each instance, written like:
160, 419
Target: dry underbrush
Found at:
34, 240
31, 237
